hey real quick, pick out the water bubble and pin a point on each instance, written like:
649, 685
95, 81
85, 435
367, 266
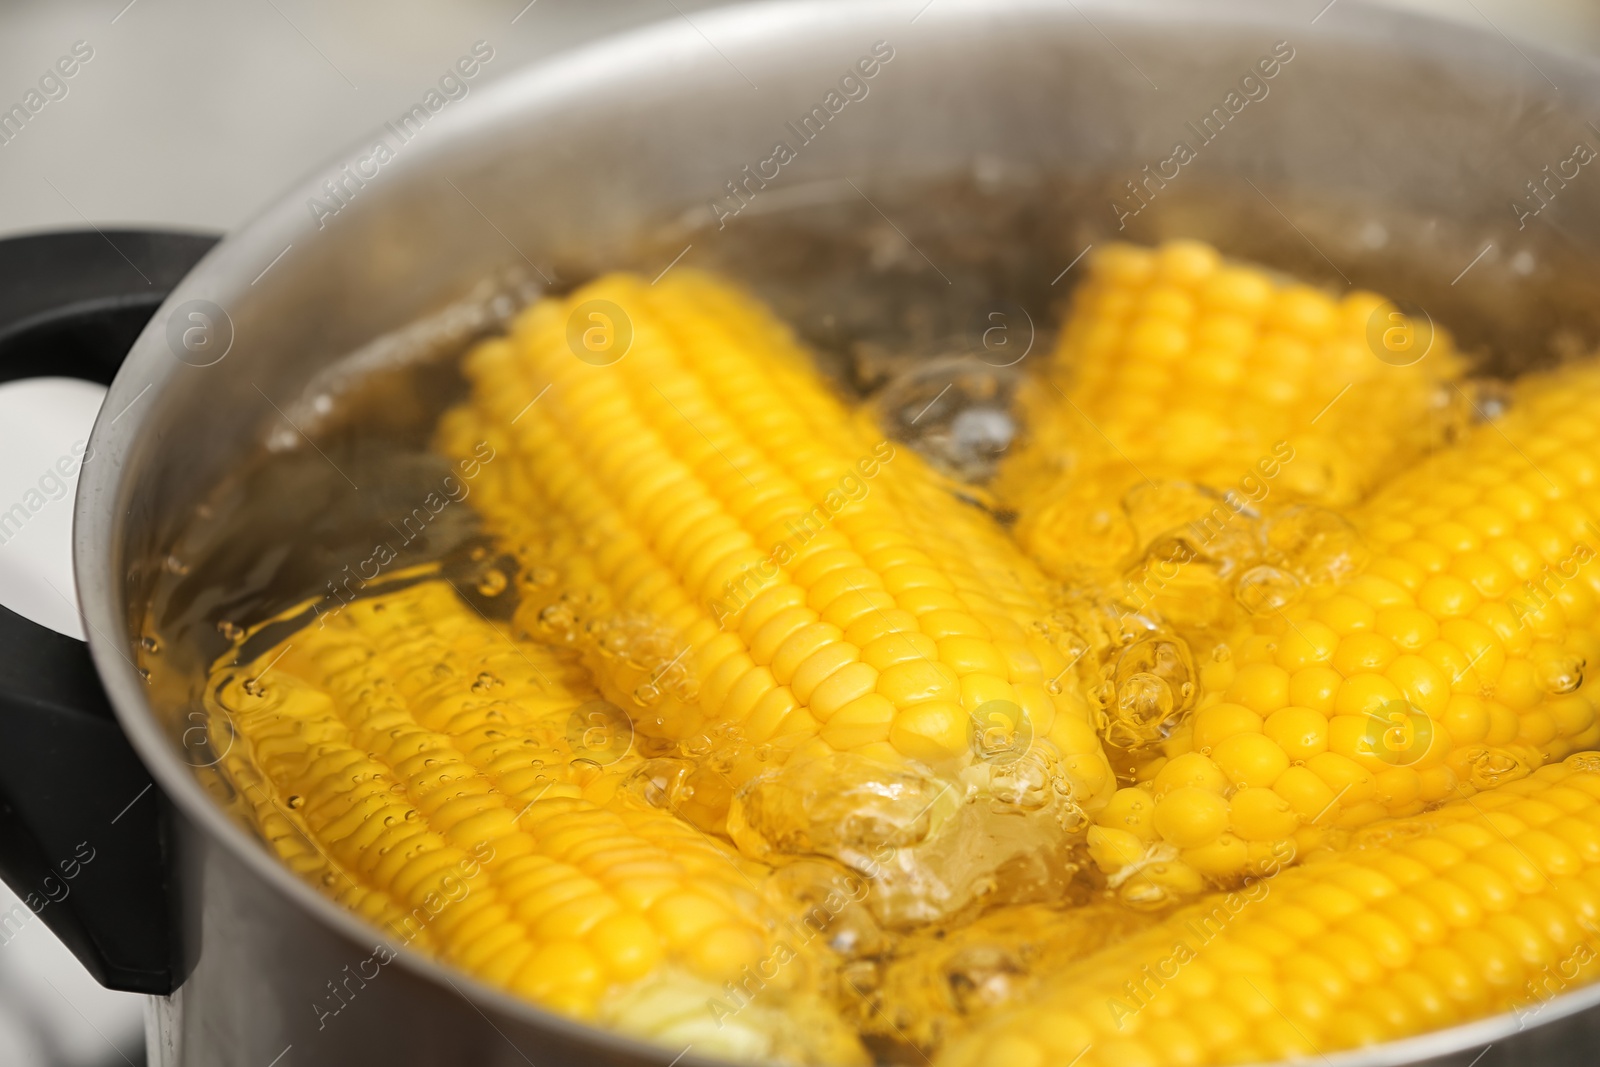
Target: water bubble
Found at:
1491, 399
1210, 525
149, 644
1001, 732
1191, 559
1265, 589
1070, 645
558, 621
492, 582
1144, 704
1317, 545
1561, 674
1391, 832
541, 577
1024, 782
661, 783
229, 630
295, 800
485, 682
1489, 767
254, 687
174, 565
956, 412
1151, 689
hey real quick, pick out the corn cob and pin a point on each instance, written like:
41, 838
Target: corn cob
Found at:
1485, 905
1178, 367
745, 566
424, 770
1442, 651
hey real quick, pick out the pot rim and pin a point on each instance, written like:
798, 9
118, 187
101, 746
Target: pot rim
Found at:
545, 88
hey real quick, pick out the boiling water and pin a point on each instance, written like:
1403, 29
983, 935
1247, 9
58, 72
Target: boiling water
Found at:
933, 320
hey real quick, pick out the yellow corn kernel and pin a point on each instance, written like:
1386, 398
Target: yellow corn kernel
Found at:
1190, 817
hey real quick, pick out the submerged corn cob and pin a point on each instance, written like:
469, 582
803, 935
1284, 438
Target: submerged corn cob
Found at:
424, 770
749, 569
1445, 652
1484, 905
1176, 366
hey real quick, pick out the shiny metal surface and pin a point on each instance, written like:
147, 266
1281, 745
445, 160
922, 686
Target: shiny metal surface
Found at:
607, 156
271, 980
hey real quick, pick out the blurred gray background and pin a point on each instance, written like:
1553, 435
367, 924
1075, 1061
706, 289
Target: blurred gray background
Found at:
193, 114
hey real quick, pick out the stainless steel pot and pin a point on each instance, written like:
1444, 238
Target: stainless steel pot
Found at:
1385, 149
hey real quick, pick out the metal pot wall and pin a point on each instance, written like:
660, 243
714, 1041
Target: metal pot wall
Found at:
1384, 150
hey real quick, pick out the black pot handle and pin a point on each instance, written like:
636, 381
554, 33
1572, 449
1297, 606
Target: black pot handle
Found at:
83, 829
